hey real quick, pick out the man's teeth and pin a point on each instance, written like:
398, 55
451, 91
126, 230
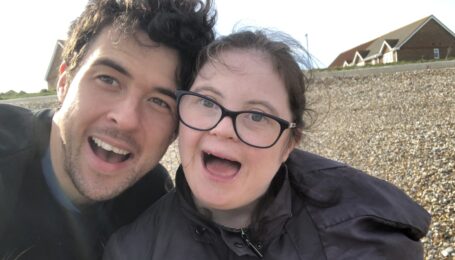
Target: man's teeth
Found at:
109, 147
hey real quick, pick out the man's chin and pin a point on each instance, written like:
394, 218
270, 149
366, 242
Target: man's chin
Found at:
90, 190
98, 190
95, 196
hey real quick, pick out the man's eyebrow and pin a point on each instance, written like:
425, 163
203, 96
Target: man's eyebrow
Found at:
112, 64
167, 92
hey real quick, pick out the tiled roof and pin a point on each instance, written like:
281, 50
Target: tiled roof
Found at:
399, 36
55, 60
348, 55
394, 39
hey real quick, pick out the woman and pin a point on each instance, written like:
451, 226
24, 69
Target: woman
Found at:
244, 192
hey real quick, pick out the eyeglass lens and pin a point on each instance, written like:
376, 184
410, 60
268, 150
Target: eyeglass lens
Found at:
253, 128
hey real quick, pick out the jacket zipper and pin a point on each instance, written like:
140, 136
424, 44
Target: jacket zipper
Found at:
246, 239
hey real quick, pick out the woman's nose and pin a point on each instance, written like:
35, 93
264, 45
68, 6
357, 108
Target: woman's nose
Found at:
225, 128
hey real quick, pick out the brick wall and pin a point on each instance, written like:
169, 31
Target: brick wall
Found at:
421, 45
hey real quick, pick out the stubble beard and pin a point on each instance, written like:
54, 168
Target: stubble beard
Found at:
90, 188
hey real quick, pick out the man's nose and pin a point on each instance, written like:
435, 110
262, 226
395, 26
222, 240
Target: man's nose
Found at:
126, 114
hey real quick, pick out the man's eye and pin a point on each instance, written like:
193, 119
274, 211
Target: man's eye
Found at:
108, 80
160, 102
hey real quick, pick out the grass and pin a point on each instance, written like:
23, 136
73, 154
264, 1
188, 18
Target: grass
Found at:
386, 65
13, 94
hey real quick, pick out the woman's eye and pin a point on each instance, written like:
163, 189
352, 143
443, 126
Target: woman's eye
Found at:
207, 103
257, 117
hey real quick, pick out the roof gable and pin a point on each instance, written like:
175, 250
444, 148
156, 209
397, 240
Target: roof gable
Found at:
399, 36
387, 45
393, 40
55, 60
348, 55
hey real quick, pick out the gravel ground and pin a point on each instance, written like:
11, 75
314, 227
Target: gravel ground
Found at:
399, 127
396, 126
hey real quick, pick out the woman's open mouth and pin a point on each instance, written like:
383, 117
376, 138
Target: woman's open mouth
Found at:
220, 167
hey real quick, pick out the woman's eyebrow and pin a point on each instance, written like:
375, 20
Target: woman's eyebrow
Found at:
265, 104
207, 88
262, 103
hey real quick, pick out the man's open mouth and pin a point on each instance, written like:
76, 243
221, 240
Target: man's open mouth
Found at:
107, 152
220, 166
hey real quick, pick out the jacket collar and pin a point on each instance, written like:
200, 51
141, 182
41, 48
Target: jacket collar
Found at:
271, 222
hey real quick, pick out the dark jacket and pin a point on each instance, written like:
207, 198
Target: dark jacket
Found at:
322, 210
33, 224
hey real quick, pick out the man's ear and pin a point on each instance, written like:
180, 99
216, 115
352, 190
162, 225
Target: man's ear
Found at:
62, 83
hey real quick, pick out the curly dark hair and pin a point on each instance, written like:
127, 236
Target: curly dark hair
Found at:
184, 25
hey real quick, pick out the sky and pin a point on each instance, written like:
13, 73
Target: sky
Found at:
31, 28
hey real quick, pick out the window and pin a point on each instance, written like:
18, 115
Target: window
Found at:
436, 53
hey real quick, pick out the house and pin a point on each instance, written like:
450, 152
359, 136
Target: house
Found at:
52, 69
425, 39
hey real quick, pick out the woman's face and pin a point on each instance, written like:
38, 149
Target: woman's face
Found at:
223, 172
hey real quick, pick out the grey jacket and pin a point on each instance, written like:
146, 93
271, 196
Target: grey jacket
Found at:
322, 210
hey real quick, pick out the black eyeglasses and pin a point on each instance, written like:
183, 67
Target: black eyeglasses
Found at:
256, 129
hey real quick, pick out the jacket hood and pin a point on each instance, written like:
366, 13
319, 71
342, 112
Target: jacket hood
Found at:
354, 194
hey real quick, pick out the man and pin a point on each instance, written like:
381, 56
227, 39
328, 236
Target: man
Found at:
68, 179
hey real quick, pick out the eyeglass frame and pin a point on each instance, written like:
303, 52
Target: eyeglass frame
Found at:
284, 124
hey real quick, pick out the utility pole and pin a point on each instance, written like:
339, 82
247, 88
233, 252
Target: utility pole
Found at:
306, 37
308, 52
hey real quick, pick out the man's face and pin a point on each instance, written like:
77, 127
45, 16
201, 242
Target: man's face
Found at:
117, 116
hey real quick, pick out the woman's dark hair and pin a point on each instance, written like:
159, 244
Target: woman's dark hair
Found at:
184, 25
287, 56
